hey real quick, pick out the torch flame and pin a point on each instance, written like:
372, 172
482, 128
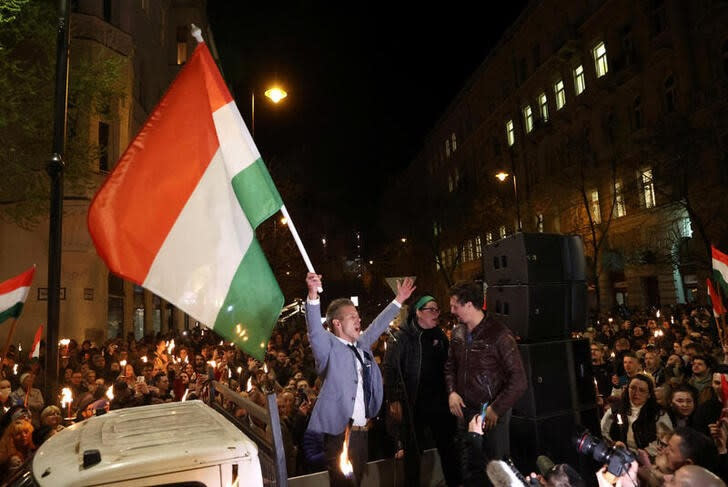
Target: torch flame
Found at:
658, 313
122, 363
184, 396
15, 369
66, 396
144, 359
240, 370
170, 347
619, 419
110, 393
249, 387
344, 463
265, 367
230, 374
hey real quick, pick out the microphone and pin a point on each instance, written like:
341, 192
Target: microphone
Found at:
544, 464
501, 474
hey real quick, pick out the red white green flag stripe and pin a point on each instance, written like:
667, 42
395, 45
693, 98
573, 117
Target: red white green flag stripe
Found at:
720, 269
715, 300
13, 294
178, 213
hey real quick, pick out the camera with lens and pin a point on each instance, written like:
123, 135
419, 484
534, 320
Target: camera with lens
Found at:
617, 460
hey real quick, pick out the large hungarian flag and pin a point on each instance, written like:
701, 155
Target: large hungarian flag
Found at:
720, 269
178, 213
13, 294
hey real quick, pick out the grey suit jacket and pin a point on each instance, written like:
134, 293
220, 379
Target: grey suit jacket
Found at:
336, 364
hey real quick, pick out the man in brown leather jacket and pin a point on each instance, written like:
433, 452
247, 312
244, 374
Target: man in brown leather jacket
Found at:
483, 365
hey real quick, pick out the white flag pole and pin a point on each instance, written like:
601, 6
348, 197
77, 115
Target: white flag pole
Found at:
294, 232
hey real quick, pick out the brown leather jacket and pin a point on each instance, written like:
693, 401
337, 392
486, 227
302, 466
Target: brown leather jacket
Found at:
487, 369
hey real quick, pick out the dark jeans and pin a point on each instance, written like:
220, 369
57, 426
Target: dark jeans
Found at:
496, 442
442, 427
357, 456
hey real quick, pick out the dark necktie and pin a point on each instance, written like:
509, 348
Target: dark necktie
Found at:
366, 381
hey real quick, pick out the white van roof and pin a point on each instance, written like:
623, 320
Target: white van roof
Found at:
140, 442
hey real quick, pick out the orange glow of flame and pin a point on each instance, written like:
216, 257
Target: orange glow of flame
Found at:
66, 396
344, 464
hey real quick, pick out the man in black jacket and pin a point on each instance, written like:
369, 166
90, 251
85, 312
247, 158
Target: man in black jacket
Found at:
414, 384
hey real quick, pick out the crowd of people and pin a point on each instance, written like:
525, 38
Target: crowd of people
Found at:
660, 381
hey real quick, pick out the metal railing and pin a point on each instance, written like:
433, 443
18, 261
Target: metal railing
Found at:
261, 424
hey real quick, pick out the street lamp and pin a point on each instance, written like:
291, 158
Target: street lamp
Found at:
274, 94
502, 176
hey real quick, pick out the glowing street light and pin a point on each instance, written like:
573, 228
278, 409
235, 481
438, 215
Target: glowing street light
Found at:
502, 176
274, 94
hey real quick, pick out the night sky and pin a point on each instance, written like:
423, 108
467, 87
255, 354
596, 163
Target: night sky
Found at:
365, 87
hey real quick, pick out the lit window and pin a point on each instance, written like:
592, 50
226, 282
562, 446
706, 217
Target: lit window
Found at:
539, 222
528, 118
502, 231
489, 238
620, 209
543, 107
435, 229
670, 94
510, 133
600, 59
648, 188
447, 147
454, 142
579, 82
478, 247
596, 211
560, 94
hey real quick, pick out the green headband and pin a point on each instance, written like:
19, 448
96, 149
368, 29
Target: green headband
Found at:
423, 301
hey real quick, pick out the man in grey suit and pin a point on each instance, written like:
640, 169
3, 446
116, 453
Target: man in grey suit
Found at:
352, 387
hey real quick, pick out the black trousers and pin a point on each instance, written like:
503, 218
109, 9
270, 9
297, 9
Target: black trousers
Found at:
496, 441
442, 426
358, 456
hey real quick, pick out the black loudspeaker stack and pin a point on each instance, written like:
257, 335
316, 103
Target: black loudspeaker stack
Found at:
536, 285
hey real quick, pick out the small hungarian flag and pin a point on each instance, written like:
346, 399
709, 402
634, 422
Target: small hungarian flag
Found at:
724, 390
718, 308
35, 349
178, 213
720, 269
13, 294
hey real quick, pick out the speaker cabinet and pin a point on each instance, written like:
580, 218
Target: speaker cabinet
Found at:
534, 258
540, 311
559, 378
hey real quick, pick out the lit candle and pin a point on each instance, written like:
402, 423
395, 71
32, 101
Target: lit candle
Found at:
66, 399
122, 364
619, 419
249, 386
144, 359
110, 393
